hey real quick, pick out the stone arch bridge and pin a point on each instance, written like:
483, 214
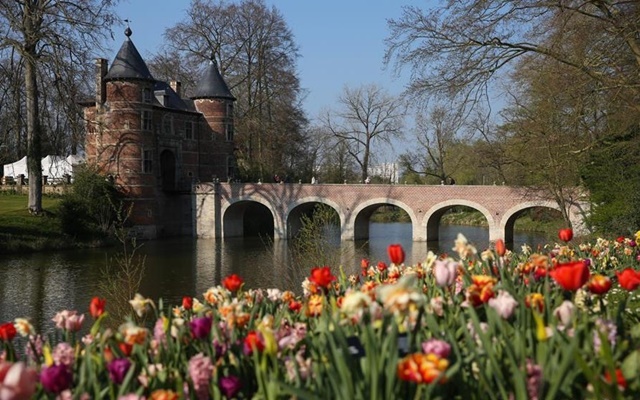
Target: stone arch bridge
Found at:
229, 209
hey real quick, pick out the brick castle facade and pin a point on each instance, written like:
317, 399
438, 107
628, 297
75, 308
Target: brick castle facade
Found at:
156, 144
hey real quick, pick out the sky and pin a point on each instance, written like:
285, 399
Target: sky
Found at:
341, 42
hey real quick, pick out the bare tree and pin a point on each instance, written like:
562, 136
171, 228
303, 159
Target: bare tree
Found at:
41, 32
436, 134
257, 55
366, 116
459, 48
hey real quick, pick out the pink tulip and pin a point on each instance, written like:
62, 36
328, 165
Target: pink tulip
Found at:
436, 346
445, 272
565, 312
17, 381
68, 320
504, 304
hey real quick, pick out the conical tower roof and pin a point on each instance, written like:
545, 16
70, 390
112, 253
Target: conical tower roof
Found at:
211, 85
128, 63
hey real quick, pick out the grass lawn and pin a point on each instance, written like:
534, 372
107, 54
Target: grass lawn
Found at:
21, 231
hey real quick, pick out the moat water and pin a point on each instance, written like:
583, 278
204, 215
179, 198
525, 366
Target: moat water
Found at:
37, 286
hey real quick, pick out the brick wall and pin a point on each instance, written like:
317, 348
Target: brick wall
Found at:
423, 203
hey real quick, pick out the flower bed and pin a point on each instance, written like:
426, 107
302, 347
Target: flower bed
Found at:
558, 323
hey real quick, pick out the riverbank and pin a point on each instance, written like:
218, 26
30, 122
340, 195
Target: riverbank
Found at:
22, 232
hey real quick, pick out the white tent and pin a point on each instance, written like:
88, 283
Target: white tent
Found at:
16, 169
53, 167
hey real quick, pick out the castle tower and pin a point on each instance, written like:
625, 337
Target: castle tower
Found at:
155, 144
121, 140
214, 100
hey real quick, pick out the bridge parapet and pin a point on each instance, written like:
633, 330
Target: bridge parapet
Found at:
217, 214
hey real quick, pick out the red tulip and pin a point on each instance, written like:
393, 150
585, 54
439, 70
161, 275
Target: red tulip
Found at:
125, 348
599, 284
321, 277
500, 247
232, 282
253, 341
382, 266
622, 383
565, 234
187, 302
572, 275
295, 306
396, 253
7, 331
96, 307
629, 279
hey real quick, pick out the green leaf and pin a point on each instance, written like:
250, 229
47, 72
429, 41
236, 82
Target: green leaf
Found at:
631, 365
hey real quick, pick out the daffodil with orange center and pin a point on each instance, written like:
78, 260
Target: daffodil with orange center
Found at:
214, 295
534, 301
402, 295
133, 334
314, 305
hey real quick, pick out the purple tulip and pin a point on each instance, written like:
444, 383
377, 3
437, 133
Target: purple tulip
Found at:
56, 378
201, 327
230, 386
118, 369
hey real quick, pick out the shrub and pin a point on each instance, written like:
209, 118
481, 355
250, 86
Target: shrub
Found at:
92, 207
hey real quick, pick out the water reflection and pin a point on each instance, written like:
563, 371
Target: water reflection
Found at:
39, 285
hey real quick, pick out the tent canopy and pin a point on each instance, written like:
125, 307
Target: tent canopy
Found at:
17, 168
54, 167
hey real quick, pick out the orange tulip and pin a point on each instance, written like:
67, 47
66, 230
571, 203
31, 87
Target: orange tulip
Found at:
500, 247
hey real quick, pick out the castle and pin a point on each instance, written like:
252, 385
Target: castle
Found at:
154, 143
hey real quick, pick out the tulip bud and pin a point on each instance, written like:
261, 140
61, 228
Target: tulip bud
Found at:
396, 253
565, 234
500, 247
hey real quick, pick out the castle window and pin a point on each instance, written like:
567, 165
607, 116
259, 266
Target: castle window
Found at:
188, 129
167, 124
229, 132
229, 110
147, 161
146, 95
146, 120
231, 171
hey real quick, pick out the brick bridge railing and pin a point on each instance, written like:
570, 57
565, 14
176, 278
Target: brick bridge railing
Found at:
220, 208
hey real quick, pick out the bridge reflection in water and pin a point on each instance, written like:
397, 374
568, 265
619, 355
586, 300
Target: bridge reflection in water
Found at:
39, 285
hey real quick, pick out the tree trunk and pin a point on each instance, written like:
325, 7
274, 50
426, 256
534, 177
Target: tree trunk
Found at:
34, 151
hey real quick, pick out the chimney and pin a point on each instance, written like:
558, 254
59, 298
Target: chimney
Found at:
177, 87
101, 86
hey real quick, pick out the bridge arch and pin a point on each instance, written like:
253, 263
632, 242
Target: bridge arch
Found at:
509, 218
357, 225
242, 211
431, 221
305, 205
